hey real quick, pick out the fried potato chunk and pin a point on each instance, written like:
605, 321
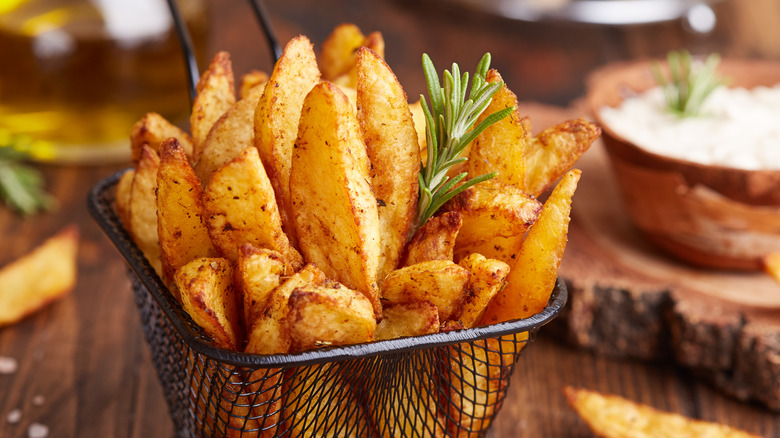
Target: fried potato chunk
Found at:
277, 116
44, 275
151, 131
143, 208
329, 315
334, 207
254, 78
240, 207
435, 240
487, 277
391, 143
270, 334
502, 146
231, 134
216, 93
122, 197
534, 273
206, 288
258, 272
610, 416
553, 152
408, 319
339, 51
441, 282
180, 226
495, 218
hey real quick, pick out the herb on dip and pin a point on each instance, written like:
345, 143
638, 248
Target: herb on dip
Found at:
689, 83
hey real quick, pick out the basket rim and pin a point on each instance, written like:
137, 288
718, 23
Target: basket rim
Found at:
100, 202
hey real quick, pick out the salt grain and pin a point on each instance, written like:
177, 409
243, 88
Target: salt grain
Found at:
14, 416
37, 430
8, 365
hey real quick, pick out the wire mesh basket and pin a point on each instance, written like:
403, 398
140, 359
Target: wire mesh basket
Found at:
443, 384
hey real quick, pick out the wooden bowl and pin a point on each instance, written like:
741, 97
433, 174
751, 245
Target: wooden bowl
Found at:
707, 215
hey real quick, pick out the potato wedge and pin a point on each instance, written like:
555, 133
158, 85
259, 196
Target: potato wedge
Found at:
333, 204
535, 271
419, 125
216, 93
180, 226
251, 80
240, 207
277, 116
391, 143
231, 134
772, 265
143, 208
44, 275
610, 416
122, 197
338, 51
270, 334
373, 41
495, 218
329, 315
407, 319
441, 282
552, 153
206, 288
502, 146
258, 272
435, 240
151, 131
487, 277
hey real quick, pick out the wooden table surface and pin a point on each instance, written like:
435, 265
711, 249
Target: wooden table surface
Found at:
84, 370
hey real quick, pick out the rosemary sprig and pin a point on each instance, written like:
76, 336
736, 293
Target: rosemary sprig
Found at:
21, 186
449, 128
688, 85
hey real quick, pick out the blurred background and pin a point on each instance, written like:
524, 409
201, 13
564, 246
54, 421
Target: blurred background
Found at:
80, 72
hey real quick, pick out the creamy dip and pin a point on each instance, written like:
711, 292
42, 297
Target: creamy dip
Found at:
737, 127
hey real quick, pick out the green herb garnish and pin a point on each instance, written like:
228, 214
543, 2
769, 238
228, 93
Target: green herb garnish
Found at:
21, 186
689, 84
449, 128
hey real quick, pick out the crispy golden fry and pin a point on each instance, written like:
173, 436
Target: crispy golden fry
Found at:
251, 80
535, 271
311, 410
151, 131
408, 319
239, 207
122, 197
230, 135
772, 265
495, 219
258, 272
391, 143
418, 116
270, 334
441, 282
333, 206
277, 116
329, 315
373, 41
487, 277
610, 416
180, 226
338, 51
44, 275
478, 379
551, 153
143, 208
206, 288
501, 147
435, 240
216, 94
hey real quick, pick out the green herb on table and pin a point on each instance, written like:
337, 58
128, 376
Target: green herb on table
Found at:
689, 84
21, 186
449, 128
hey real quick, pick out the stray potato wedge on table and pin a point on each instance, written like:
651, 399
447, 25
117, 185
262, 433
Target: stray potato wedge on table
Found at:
40, 277
216, 93
610, 416
151, 131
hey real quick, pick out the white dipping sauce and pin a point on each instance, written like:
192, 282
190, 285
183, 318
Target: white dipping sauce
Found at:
736, 127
